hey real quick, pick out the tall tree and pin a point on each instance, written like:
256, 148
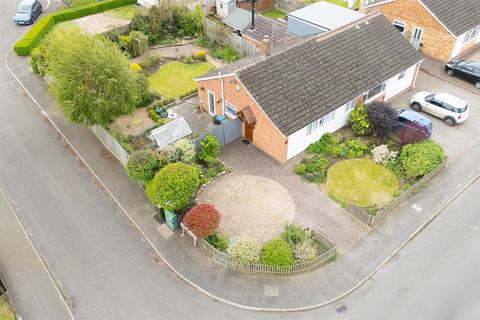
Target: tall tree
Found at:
90, 77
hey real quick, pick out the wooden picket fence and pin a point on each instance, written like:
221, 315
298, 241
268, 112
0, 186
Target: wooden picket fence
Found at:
223, 260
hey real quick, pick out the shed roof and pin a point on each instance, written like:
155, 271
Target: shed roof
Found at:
170, 132
326, 15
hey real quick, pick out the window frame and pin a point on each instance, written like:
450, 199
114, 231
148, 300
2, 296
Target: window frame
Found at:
369, 98
401, 24
349, 106
229, 105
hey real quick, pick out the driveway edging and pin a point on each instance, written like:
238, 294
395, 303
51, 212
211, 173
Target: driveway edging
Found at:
186, 280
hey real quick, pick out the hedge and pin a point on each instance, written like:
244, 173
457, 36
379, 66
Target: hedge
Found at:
32, 38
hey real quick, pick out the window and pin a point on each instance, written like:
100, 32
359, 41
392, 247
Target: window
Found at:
320, 122
399, 25
402, 75
471, 35
349, 106
375, 91
211, 103
221, 5
230, 110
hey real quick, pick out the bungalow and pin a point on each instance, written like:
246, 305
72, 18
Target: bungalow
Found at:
442, 29
290, 95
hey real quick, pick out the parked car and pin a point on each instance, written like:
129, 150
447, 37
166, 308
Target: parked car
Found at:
407, 116
441, 105
28, 11
469, 70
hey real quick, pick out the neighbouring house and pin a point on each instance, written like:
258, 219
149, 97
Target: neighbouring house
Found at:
240, 22
320, 17
290, 95
442, 29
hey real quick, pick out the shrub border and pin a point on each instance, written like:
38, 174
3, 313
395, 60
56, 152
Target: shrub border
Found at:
223, 260
32, 38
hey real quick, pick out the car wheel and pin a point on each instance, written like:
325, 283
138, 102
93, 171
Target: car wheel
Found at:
450, 72
449, 121
477, 85
416, 106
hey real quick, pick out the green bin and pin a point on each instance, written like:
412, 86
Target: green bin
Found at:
171, 220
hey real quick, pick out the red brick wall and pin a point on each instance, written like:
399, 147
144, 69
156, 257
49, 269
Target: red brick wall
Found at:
436, 41
265, 135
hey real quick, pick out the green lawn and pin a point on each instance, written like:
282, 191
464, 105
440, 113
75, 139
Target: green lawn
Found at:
274, 14
338, 2
125, 13
361, 182
341, 3
76, 3
5, 312
176, 78
65, 26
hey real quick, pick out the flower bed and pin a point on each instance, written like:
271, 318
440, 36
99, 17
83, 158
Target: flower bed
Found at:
224, 260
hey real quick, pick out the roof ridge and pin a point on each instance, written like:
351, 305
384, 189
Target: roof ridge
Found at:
318, 37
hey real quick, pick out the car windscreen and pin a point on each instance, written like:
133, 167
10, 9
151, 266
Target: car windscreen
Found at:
460, 110
25, 8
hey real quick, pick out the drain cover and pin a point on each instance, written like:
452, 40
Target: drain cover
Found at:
341, 309
271, 291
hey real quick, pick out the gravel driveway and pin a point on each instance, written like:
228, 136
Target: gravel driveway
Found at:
312, 207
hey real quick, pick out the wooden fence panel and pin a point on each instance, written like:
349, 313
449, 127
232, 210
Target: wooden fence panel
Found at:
111, 144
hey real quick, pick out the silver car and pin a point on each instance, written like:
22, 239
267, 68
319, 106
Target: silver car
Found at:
441, 105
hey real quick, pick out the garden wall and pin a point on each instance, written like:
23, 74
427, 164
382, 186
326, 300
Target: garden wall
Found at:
217, 32
371, 220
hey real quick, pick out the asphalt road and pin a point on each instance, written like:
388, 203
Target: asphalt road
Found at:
106, 271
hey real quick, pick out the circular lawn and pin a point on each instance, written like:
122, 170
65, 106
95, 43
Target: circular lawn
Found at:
361, 182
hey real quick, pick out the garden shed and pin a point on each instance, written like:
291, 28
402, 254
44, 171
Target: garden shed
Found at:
170, 132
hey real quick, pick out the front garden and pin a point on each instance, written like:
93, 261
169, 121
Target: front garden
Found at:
374, 161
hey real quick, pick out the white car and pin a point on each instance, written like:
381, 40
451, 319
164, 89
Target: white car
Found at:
441, 105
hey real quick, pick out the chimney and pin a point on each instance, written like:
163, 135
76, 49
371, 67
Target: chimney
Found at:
266, 46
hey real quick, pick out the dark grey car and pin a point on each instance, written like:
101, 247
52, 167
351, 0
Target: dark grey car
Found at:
28, 11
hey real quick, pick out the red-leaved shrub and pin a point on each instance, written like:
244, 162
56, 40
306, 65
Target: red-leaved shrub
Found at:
411, 132
202, 220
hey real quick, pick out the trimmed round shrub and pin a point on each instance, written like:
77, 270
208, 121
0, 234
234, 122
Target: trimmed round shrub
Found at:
277, 253
202, 220
245, 250
411, 132
299, 168
420, 158
358, 120
201, 55
142, 165
173, 186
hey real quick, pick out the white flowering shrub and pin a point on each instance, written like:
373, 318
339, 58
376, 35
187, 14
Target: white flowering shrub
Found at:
183, 150
382, 155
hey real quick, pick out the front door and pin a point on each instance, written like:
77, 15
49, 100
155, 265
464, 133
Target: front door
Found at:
248, 132
211, 103
417, 37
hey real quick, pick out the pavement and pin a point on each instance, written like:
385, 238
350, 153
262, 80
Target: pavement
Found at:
242, 290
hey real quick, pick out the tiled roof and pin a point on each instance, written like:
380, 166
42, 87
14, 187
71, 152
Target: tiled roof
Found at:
301, 84
458, 16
